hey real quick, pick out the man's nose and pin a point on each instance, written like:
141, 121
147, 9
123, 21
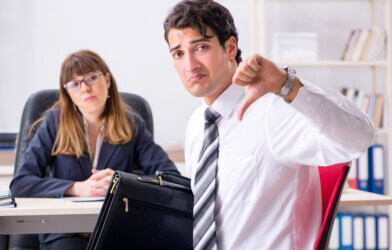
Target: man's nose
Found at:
192, 63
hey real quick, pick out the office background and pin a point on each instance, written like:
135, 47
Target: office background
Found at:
36, 36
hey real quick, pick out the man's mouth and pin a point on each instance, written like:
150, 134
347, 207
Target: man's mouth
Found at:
196, 78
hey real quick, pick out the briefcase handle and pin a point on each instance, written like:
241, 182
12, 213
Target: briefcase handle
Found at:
173, 178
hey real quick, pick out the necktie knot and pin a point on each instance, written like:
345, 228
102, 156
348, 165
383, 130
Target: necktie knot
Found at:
211, 116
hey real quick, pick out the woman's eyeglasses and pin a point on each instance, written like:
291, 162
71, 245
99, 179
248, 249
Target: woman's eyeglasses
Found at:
90, 79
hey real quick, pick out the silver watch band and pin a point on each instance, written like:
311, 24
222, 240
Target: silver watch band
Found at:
289, 82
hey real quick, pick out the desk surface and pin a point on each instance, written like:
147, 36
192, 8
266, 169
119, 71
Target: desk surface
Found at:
49, 215
55, 206
50, 206
353, 197
44, 215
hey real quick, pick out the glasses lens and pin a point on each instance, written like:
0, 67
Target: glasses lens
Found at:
92, 78
73, 85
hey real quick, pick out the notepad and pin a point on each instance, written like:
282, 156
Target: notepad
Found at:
84, 199
6, 200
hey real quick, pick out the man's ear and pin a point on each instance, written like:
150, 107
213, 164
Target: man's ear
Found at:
231, 47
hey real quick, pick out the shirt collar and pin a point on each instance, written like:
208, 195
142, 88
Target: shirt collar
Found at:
227, 101
85, 123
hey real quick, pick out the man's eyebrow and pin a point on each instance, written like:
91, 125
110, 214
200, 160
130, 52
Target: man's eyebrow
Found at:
174, 48
192, 42
204, 39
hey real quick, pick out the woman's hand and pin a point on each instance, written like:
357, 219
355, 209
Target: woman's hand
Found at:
102, 180
96, 185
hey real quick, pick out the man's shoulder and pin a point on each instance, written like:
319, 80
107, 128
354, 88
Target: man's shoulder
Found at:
196, 119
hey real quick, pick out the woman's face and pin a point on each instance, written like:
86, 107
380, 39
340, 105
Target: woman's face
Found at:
89, 92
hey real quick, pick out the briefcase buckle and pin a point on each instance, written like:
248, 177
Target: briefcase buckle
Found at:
157, 181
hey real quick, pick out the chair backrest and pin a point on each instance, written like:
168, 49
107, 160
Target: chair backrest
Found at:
332, 179
40, 101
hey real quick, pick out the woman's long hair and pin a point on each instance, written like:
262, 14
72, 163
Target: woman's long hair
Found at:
119, 123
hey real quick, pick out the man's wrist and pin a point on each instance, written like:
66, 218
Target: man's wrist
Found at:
293, 91
280, 80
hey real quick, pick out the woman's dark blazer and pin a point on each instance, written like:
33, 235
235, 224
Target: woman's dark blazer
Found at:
30, 180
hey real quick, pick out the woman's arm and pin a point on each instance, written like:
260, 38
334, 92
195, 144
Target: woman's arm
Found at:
30, 178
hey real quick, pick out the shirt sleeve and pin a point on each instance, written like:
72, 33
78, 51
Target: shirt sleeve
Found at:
320, 127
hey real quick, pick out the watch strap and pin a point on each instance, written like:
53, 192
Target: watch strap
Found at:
289, 82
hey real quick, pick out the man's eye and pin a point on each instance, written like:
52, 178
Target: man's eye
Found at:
201, 47
177, 54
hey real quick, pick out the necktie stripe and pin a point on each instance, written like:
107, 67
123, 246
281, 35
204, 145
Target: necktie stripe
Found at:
204, 196
208, 202
204, 231
210, 158
204, 181
203, 224
210, 232
210, 135
211, 243
208, 150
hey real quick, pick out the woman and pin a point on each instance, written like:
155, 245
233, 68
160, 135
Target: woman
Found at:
87, 135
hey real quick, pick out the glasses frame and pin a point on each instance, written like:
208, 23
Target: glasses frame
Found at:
81, 81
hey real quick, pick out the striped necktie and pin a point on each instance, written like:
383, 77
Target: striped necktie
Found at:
204, 233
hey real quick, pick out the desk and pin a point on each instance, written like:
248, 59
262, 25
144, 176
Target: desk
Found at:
353, 197
51, 215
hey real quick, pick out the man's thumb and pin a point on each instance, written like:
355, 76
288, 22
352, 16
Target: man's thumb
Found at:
243, 107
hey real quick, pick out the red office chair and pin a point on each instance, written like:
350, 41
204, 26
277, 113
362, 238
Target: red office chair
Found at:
332, 179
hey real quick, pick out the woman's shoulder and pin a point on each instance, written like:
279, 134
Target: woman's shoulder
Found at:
138, 119
133, 117
54, 113
52, 116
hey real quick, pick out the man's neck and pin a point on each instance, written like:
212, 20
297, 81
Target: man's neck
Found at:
209, 100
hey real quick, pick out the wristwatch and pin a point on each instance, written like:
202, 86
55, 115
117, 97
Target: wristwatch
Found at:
289, 82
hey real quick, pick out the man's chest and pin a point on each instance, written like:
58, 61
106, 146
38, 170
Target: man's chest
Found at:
243, 147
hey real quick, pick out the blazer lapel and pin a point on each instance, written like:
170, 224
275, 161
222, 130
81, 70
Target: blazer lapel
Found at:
85, 161
105, 154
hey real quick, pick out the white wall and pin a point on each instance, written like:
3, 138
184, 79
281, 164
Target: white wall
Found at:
36, 36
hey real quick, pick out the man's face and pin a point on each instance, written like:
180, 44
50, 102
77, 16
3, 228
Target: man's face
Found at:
204, 67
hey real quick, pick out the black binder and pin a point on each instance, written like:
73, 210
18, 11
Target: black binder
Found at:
145, 212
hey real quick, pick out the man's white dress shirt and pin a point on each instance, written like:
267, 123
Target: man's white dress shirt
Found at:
268, 187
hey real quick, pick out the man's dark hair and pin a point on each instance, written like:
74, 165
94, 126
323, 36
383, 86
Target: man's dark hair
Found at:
201, 14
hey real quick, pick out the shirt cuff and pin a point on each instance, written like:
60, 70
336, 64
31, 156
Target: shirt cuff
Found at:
308, 99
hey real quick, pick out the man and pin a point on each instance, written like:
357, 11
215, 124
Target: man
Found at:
253, 147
